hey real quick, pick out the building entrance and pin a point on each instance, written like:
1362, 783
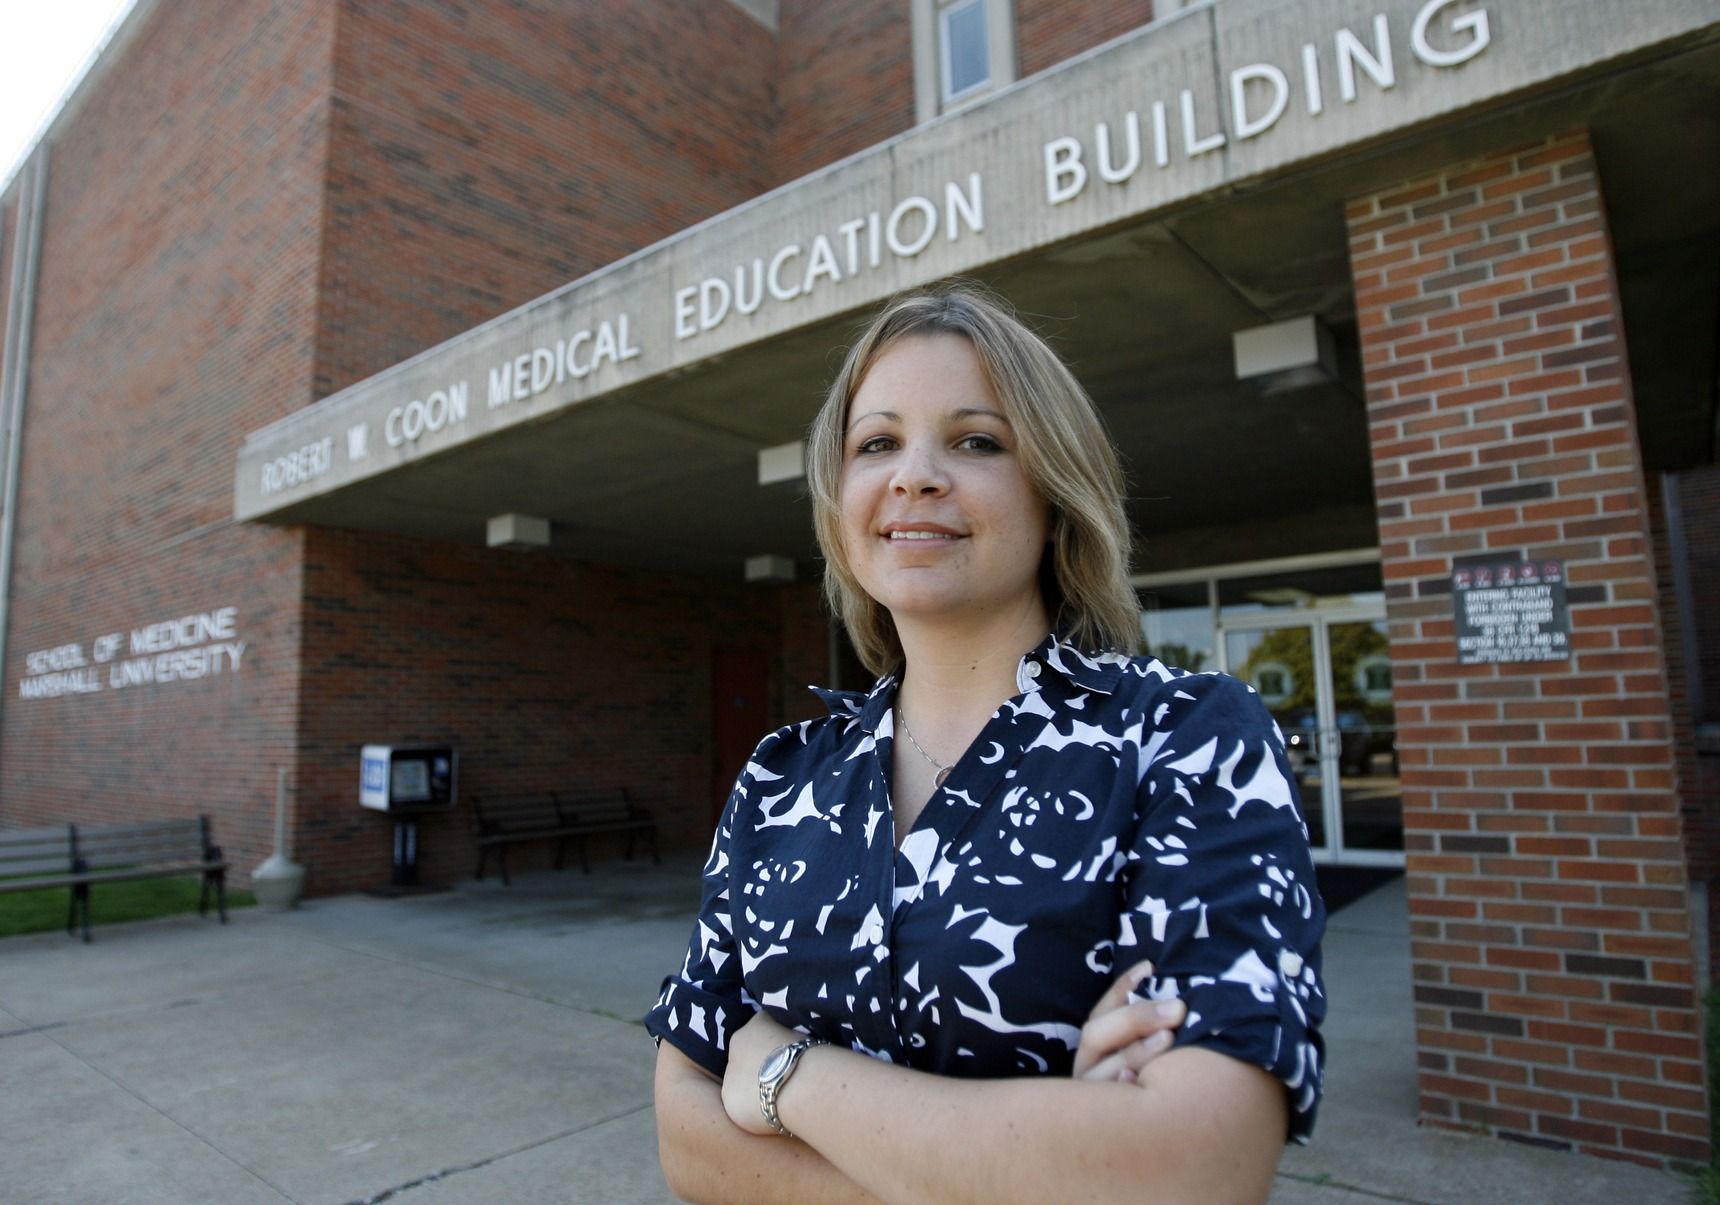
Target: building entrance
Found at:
1326, 679
1309, 634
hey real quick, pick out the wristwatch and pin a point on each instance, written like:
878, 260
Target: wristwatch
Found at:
773, 1073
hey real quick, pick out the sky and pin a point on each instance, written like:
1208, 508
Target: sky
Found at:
44, 47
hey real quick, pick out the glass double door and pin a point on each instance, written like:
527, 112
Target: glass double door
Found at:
1326, 679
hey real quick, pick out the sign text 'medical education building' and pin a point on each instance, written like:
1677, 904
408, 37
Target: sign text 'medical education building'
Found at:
1183, 126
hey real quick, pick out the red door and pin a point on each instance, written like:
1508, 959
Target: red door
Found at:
740, 716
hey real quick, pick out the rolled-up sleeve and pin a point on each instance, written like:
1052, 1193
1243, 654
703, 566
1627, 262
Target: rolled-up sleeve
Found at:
1219, 885
702, 1004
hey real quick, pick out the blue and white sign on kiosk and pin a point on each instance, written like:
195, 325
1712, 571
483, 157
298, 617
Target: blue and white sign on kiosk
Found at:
395, 779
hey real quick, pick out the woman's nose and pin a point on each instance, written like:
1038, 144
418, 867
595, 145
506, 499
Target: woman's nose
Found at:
920, 470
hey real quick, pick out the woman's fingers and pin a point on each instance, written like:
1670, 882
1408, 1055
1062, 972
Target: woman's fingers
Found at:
1117, 995
1105, 1038
1123, 1065
1138, 1054
1108, 1068
1111, 1046
1116, 1029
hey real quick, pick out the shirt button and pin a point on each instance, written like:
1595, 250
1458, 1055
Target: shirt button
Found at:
877, 932
1033, 669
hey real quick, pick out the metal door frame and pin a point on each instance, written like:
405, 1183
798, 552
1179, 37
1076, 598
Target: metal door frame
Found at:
1317, 620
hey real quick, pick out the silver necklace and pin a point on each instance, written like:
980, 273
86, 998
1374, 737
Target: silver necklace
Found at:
943, 770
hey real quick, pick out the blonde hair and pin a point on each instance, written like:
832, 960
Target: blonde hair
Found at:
1065, 453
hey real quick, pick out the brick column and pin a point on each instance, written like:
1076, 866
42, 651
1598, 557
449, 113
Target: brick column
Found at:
1549, 918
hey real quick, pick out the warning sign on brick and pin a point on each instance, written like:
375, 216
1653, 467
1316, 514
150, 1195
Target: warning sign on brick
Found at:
1510, 612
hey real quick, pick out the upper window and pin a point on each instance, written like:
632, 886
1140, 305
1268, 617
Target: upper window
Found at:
963, 49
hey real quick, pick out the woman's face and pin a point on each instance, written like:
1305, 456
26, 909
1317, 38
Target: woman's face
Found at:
938, 518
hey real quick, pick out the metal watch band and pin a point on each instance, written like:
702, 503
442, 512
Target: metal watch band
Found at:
770, 1086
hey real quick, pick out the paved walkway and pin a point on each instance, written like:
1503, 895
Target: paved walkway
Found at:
482, 1045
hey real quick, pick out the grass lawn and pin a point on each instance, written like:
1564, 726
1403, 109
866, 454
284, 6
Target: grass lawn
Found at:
45, 911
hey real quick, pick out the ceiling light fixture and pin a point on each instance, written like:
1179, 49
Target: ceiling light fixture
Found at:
518, 531
785, 462
1285, 356
769, 567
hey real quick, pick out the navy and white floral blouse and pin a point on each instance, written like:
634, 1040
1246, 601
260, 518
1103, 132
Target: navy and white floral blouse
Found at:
1114, 810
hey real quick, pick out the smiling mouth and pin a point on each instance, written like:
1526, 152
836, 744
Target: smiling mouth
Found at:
902, 537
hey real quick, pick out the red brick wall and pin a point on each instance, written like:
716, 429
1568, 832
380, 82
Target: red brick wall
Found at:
173, 314
1551, 935
544, 672
1049, 31
486, 153
844, 81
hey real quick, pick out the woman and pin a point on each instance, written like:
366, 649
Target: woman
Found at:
916, 908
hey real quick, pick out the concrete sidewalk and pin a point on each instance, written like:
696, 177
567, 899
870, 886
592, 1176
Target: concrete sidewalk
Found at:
483, 1045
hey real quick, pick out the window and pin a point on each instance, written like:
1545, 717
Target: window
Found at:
963, 50
965, 57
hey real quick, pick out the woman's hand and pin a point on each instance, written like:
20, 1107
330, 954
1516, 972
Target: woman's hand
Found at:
1122, 1036
748, 1049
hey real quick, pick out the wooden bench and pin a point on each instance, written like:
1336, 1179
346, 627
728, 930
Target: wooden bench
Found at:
29, 856
81, 856
500, 820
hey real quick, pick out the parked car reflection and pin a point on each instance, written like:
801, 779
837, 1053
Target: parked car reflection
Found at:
1359, 741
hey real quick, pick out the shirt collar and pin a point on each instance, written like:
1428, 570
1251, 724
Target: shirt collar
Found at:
1084, 671
868, 705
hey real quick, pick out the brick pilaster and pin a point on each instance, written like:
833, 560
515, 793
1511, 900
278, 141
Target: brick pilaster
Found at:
1549, 913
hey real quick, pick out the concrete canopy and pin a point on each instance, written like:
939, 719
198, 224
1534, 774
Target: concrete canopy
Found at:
1140, 285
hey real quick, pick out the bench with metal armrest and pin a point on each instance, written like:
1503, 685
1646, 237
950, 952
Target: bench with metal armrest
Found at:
80, 856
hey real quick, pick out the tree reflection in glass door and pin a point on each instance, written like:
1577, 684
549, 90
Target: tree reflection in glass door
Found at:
1370, 797
1279, 664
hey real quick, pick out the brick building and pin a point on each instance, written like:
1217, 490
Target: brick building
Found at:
1403, 313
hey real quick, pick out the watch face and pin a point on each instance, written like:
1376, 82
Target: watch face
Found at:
775, 1064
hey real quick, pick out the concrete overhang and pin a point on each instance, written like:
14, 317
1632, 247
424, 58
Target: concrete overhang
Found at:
641, 443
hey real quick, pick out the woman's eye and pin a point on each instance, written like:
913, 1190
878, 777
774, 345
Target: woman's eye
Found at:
980, 443
869, 447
